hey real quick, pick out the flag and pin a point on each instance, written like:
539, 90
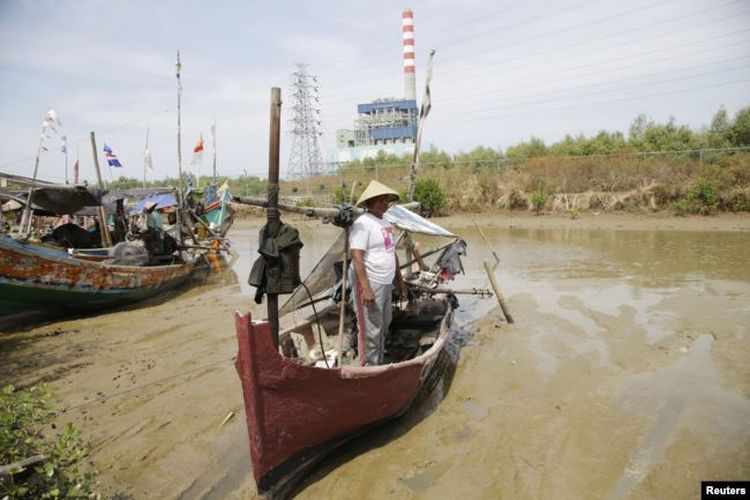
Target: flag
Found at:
198, 152
147, 164
64, 146
424, 110
112, 160
75, 172
52, 117
51, 123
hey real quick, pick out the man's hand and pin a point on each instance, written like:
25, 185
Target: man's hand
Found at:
368, 298
402, 290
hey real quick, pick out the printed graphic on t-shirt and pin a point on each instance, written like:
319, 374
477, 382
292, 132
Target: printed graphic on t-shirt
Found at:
387, 237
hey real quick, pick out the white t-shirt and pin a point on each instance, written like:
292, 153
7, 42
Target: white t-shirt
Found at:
375, 237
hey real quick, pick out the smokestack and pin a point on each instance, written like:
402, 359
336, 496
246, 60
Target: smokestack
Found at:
407, 29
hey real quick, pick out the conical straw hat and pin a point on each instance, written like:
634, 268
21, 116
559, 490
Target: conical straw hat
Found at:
374, 190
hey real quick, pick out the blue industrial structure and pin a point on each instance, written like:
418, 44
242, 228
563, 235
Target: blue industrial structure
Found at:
388, 125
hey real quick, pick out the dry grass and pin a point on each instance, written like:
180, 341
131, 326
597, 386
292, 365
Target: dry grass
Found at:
572, 184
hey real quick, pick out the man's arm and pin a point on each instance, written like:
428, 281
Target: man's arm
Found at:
358, 258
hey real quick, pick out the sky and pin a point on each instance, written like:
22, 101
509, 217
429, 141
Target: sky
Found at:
504, 71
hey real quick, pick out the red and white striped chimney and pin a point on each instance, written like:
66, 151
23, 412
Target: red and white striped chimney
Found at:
407, 29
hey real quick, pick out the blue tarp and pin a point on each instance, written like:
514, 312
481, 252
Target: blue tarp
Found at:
162, 201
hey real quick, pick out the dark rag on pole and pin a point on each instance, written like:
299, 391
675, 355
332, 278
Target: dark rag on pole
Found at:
276, 271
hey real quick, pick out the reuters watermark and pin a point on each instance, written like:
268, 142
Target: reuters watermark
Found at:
725, 489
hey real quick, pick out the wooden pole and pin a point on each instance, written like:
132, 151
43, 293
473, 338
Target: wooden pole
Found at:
145, 158
103, 229
308, 211
273, 219
342, 312
10, 469
213, 138
178, 69
26, 217
486, 242
180, 201
498, 295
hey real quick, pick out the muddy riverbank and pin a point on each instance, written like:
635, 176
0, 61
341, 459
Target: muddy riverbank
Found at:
625, 375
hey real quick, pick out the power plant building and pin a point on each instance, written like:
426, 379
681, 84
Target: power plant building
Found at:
388, 124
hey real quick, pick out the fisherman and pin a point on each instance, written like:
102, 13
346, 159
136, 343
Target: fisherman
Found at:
153, 216
375, 264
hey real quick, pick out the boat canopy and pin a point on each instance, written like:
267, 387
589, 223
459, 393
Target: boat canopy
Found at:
323, 278
67, 200
162, 200
406, 220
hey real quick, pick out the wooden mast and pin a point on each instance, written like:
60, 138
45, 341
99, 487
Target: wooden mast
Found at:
106, 239
272, 211
146, 158
213, 139
180, 191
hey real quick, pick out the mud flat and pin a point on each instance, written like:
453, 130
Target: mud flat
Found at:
625, 374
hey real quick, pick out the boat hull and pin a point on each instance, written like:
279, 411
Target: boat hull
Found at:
296, 414
37, 279
219, 217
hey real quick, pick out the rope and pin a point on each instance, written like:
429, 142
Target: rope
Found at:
317, 322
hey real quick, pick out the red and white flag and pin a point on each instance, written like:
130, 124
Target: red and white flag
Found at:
198, 152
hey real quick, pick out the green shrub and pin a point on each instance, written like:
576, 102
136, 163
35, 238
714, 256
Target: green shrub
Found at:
681, 207
340, 196
26, 430
431, 196
538, 200
702, 197
306, 202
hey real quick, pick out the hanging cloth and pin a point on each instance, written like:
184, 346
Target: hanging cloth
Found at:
276, 271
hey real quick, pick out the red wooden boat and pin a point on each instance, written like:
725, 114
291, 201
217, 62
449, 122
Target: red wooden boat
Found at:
296, 414
299, 404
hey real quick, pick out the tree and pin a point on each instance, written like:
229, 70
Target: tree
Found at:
479, 157
739, 131
638, 128
719, 132
535, 147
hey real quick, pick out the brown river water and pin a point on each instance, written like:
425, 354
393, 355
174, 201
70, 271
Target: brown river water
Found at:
625, 375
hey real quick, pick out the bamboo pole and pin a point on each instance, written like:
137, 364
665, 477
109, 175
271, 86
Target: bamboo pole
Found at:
26, 217
498, 295
482, 292
308, 211
486, 242
428, 253
103, 229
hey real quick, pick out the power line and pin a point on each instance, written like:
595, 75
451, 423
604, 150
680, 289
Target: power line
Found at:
474, 118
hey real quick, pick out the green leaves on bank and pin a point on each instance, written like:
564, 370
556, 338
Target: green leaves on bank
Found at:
27, 431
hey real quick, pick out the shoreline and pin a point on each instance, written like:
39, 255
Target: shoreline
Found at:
723, 222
